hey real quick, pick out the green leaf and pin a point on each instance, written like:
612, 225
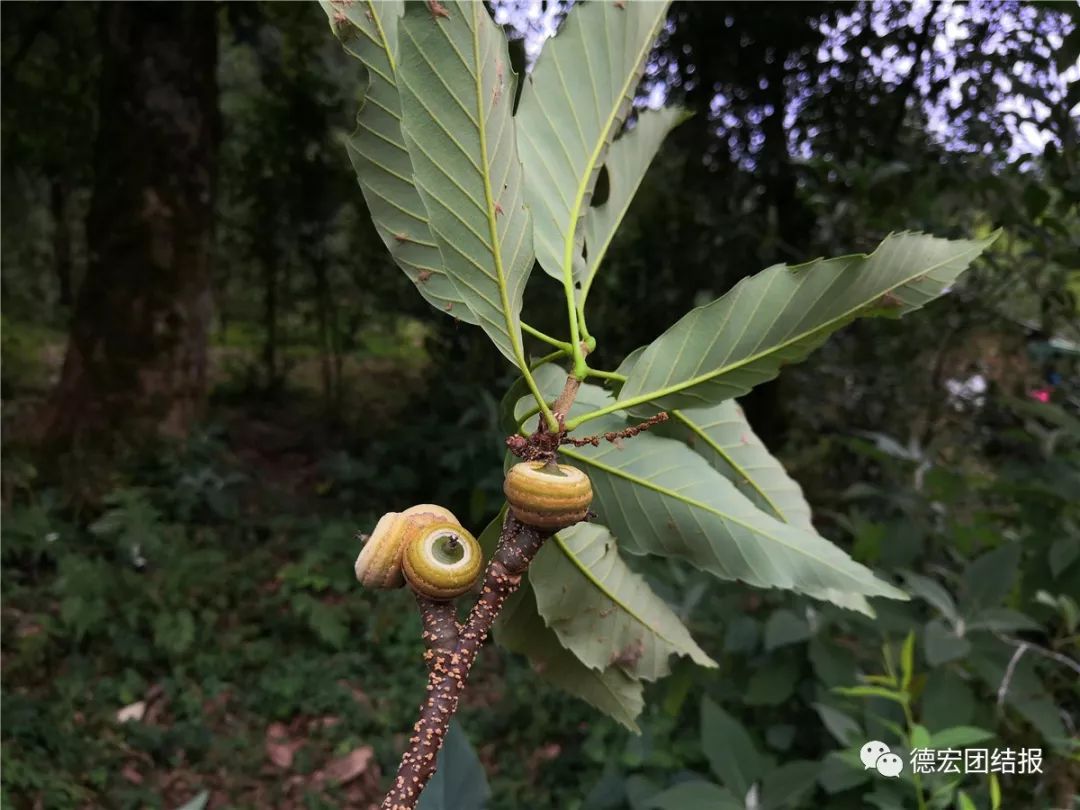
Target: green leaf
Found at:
907, 661
959, 737
785, 787
197, 802
941, 645
844, 728
933, 593
455, 97
772, 685
1002, 620
988, 579
627, 161
723, 437
695, 796
520, 629
380, 158
731, 752
995, 792
964, 802
659, 497
920, 737
780, 315
872, 691
783, 628
573, 106
459, 782
602, 611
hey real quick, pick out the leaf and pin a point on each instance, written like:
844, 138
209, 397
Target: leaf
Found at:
459, 782
783, 628
788, 784
731, 752
574, 104
658, 497
1002, 620
627, 161
520, 629
723, 437
380, 158
932, 592
602, 611
907, 661
197, 802
695, 796
872, 692
964, 802
844, 728
959, 737
772, 686
988, 579
455, 98
780, 315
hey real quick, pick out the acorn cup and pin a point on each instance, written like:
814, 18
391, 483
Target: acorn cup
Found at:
425, 546
548, 496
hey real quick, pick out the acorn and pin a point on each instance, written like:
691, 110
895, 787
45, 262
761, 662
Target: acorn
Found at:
548, 496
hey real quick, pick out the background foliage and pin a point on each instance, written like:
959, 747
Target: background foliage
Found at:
203, 587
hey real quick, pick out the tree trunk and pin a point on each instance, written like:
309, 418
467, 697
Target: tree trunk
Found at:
58, 195
137, 353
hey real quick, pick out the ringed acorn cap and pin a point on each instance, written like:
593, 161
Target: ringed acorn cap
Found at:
379, 562
539, 496
442, 560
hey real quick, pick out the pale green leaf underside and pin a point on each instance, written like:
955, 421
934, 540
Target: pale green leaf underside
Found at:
368, 31
659, 497
627, 161
602, 611
520, 629
456, 102
575, 101
721, 435
780, 315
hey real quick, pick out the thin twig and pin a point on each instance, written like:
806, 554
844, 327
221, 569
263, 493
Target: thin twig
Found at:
449, 665
615, 436
1009, 670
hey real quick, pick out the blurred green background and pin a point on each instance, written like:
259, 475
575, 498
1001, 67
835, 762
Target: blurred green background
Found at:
214, 376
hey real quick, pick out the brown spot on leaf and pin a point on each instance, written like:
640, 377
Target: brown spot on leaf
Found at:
437, 9
423, 276
629, 655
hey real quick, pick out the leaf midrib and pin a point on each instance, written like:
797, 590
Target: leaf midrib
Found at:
602, 141
753, 358
720, 451
693, 503
600, 586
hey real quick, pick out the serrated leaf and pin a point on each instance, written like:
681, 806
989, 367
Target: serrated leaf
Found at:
659, 497
602, 611
780, 315
575, 101
520, 629
456, 105
380, 158
626, 164
459, 782
722, 436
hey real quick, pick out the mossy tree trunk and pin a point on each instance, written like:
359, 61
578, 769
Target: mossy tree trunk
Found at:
136, 361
